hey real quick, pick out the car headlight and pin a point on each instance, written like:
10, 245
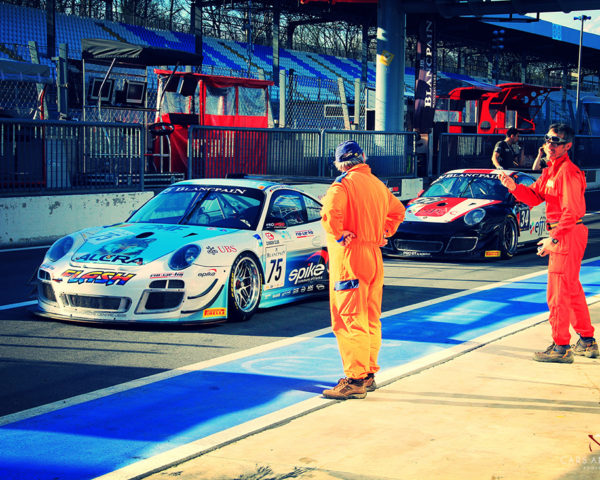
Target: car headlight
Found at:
474, 216
184, 257
59, 248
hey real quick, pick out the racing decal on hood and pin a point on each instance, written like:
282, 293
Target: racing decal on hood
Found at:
142, 244
443, 209
98, 276
122, 251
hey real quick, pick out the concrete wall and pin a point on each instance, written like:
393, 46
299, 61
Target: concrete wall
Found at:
31, 221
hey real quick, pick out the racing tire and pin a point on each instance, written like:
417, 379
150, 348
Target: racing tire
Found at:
509, 238
245, 288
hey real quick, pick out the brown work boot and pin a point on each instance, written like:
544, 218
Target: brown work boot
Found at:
347, 388
369, 382
588, 348
555, 353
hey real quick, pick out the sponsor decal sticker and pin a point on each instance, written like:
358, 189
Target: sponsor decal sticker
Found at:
304, 233
306, 274
166, 275
214, 312
209, 273
98, 276
206, 188
220, 249
95, 258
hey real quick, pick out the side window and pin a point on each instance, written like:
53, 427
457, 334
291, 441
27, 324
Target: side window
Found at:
289, 206
313, 209
524, 180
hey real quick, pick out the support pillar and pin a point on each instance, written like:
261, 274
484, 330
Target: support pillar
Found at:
389, 86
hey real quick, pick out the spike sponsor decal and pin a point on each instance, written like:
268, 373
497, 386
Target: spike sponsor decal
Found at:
214, 312
98, 276
306, 274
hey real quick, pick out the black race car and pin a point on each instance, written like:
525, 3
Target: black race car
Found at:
468, 213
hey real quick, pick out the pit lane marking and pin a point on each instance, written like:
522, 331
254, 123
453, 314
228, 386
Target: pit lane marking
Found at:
79, 399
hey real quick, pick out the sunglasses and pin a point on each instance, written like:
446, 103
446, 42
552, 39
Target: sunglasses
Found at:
555, 140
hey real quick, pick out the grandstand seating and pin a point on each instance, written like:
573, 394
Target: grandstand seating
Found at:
18, 25
21, 24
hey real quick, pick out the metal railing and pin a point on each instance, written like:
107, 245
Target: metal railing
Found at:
52, 157
221, 151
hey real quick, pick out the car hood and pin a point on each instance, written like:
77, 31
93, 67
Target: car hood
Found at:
139, 243
443, 209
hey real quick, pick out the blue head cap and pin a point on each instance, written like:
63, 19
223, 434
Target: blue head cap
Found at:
347, 151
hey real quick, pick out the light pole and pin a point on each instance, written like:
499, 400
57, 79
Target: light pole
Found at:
583, 18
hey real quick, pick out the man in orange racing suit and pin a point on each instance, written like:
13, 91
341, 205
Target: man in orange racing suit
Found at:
561, 186
358, 213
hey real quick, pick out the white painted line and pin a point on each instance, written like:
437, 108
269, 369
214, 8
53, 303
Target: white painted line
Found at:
22, 249
191, 450
68, 402
18, 305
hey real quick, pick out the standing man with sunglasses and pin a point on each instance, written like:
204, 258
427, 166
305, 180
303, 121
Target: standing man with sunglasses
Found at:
561, 186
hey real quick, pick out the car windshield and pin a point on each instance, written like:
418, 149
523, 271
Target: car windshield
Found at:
205, 205
484, 186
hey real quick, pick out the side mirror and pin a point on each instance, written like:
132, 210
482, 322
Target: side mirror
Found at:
275, 223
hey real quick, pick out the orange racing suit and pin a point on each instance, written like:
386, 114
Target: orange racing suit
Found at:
562, 185
358, 202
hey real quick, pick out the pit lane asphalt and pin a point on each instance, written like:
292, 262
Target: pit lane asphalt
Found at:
43, 361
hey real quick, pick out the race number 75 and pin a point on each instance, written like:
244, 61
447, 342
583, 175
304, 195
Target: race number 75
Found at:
275, 268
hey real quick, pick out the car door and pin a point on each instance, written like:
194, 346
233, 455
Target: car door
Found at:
295, 260
532, 220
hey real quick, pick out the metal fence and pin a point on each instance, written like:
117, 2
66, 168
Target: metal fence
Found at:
51, 157
218, 151
475, 151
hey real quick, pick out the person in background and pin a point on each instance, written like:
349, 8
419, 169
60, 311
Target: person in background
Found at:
507, 153
561, 186
540, 161
359, 213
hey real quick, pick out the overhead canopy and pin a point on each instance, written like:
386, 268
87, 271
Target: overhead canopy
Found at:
24, 72
217, 81
99, 50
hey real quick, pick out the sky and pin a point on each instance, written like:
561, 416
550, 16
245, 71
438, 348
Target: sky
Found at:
566, 19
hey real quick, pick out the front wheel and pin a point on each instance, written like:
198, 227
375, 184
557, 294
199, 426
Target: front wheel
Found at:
245, 287
509, 237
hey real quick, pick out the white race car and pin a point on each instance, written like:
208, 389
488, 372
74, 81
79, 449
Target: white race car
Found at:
200, 251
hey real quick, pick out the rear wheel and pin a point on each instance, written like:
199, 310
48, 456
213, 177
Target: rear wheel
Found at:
245, 287
509, 238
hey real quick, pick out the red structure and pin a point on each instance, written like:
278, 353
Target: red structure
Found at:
186, 99
496, 108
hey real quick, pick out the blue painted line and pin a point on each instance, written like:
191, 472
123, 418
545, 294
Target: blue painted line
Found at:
100, 436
